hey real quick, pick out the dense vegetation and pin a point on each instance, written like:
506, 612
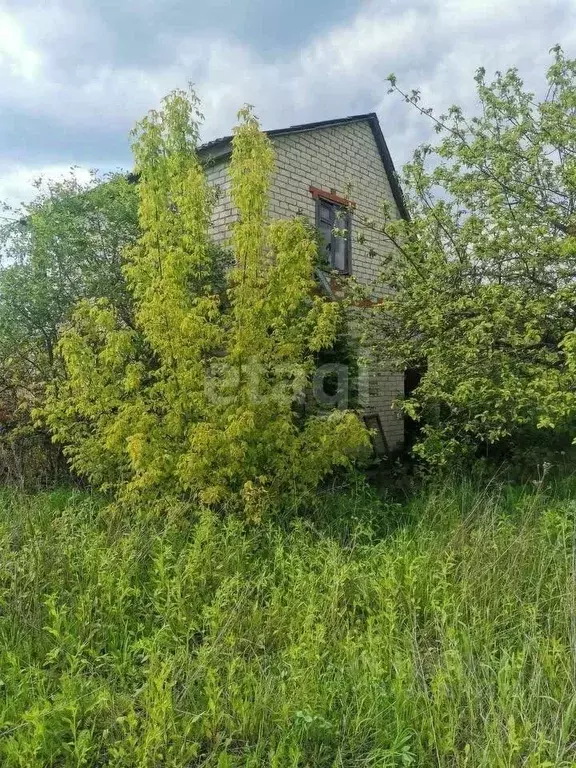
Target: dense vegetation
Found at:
485, 273
66, 245
227, 609
439, 632
176, 348
205, 393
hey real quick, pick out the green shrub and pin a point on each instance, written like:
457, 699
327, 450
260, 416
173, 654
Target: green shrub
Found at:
63, 246
484, 272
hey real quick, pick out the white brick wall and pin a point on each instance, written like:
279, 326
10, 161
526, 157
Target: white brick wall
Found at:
343, 158
223, 214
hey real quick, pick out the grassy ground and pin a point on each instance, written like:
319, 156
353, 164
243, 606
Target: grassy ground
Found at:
438, 633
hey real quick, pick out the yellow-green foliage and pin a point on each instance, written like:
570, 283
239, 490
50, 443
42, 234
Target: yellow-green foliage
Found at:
446, 642
199, 397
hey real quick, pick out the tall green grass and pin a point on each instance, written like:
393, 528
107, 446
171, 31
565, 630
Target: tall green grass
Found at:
439, 633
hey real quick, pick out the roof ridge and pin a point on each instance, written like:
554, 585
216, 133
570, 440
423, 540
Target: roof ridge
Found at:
298, 127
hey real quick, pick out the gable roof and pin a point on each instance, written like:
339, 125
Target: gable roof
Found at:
221, 148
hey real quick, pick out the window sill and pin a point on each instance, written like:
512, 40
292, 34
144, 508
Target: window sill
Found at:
331, 197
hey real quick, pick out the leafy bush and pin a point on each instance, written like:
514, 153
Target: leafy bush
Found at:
359, 636
199, 396
485, 270
64, 246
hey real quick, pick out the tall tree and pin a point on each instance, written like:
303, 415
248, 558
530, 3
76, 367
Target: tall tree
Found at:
198, 398
485, 270
66, 245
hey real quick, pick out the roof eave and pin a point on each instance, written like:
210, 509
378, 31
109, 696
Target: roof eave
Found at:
388, 164
220, 149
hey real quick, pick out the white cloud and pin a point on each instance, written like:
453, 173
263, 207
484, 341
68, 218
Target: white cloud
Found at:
17, 58
17, 183
476, 15
356, 48
435, 46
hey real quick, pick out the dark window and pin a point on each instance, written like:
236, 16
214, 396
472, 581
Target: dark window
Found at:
334, 223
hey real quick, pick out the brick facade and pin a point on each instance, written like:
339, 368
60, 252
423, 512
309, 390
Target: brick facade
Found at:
343, 159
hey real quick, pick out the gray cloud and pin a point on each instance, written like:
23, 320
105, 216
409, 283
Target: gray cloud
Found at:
142, 32
76, 74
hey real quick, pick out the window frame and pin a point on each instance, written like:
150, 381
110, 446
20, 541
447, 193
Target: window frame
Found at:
336, 204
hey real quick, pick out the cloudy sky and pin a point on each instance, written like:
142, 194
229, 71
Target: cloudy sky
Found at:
76, 74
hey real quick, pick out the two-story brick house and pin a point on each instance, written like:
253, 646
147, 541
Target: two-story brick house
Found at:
336, 173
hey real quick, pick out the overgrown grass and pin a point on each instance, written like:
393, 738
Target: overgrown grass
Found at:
447, 641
